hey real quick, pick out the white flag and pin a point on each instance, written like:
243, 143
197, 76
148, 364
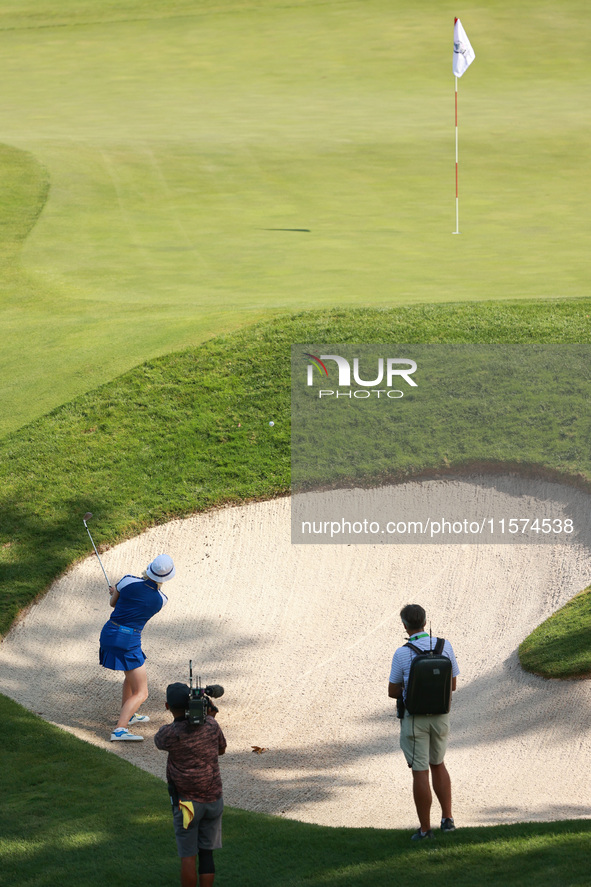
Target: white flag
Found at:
463, 53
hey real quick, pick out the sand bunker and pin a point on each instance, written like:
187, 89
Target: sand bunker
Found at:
302, 639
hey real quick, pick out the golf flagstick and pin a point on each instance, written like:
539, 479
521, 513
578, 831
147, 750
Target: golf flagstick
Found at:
457, 231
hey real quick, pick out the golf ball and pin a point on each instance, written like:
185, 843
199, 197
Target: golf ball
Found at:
271, 424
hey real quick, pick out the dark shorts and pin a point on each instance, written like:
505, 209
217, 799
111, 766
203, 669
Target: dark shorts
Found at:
120, 648
204, 831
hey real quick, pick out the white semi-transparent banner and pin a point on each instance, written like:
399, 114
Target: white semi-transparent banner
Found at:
407, 444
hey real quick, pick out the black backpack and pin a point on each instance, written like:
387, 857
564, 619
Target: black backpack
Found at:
428, 691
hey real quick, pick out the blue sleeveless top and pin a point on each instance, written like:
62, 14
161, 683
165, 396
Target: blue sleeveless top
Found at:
139, 600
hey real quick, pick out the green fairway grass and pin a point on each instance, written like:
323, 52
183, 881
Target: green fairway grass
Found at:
201, 166
74, 814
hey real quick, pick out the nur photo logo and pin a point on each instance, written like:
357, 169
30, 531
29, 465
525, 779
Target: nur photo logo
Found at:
387, 372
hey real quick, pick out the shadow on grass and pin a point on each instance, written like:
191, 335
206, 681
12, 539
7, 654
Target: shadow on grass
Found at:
39, 545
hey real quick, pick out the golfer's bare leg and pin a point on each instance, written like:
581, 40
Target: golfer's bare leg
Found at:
125, 691
188, 871
421, 791
442, 788
206, 880
135, 692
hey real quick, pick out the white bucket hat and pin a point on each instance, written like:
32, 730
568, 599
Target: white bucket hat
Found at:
161, 569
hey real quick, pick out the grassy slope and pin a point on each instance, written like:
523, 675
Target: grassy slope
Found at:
181, 139
560, 647
58, 828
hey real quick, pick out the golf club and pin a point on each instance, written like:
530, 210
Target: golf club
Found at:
86, 517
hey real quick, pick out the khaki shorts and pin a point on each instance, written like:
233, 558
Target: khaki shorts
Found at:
423, 739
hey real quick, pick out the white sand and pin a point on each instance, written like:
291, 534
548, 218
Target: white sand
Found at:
302, 639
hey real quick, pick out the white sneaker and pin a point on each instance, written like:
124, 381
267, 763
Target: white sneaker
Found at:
139, 719
122, 734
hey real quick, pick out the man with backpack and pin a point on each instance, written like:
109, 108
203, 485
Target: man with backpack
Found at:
422, 678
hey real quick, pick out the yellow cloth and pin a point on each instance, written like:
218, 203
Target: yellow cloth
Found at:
186, 808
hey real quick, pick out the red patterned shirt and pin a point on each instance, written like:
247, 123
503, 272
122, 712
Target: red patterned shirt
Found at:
193, 752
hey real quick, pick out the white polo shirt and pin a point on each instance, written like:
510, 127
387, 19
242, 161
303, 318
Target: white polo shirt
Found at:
404, 655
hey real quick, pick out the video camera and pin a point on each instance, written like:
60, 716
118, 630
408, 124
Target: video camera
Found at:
200, 703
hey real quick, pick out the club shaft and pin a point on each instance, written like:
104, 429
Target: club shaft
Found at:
98, 555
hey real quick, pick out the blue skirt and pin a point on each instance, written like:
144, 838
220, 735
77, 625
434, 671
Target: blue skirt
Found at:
120, 648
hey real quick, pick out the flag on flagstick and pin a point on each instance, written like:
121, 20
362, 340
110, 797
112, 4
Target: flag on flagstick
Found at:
464, 55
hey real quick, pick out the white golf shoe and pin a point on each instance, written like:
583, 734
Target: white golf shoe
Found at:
138, 719
122, 734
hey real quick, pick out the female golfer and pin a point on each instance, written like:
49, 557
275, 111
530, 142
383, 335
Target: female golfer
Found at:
134, 602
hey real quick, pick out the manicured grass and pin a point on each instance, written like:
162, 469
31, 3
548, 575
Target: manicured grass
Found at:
74, 814
212, 163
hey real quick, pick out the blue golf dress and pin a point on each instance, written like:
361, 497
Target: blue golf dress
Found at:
121, 636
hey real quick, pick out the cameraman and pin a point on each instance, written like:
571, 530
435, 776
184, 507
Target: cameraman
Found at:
195, 785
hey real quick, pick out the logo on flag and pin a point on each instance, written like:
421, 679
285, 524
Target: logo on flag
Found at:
464, 55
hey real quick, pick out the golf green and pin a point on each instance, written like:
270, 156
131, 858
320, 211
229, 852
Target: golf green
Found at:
179, 170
